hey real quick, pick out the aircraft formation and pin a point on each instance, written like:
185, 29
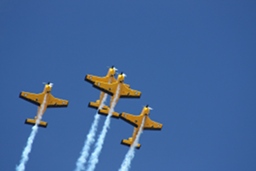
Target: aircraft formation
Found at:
108, 85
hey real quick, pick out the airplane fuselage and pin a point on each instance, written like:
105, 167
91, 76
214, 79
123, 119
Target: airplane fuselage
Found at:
42, 108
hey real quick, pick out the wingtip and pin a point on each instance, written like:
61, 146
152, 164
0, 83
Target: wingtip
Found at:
138, 146
87, 79
116, 115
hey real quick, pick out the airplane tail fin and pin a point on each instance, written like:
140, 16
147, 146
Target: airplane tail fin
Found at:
129, 143
33, 122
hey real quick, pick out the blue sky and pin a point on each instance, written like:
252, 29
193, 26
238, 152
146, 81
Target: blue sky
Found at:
194, 63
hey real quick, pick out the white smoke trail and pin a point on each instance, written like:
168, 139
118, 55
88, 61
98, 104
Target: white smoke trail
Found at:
27, 149
131, 153
89, 140
94, 159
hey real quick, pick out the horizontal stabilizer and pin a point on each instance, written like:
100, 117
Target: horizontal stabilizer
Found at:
94, 105
106, 112
129, 143
33, 122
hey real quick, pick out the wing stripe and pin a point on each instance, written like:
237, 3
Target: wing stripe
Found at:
29, 100
152, 125
51, 106
128, 121
130, 97
153, 129
56, 102
127, 92
105, 91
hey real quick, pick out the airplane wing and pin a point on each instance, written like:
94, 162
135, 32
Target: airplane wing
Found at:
127, 92
109, 88
37, 99
152, 125
127, 85
55, 102
93, 79
131, 119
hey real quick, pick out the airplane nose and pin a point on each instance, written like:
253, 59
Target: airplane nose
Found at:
123, 74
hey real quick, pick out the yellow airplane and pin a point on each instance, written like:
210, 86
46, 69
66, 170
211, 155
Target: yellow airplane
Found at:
43, 100
109, 78
110, 88
136, 121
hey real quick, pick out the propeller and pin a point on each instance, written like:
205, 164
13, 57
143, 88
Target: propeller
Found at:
123, 74
49, 83
150, 108
113, 67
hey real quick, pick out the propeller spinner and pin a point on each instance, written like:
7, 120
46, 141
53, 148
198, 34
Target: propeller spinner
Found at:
113, 67
150, 108
123, 74
49, 83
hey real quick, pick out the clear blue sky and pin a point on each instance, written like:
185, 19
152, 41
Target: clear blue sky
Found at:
193, 61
